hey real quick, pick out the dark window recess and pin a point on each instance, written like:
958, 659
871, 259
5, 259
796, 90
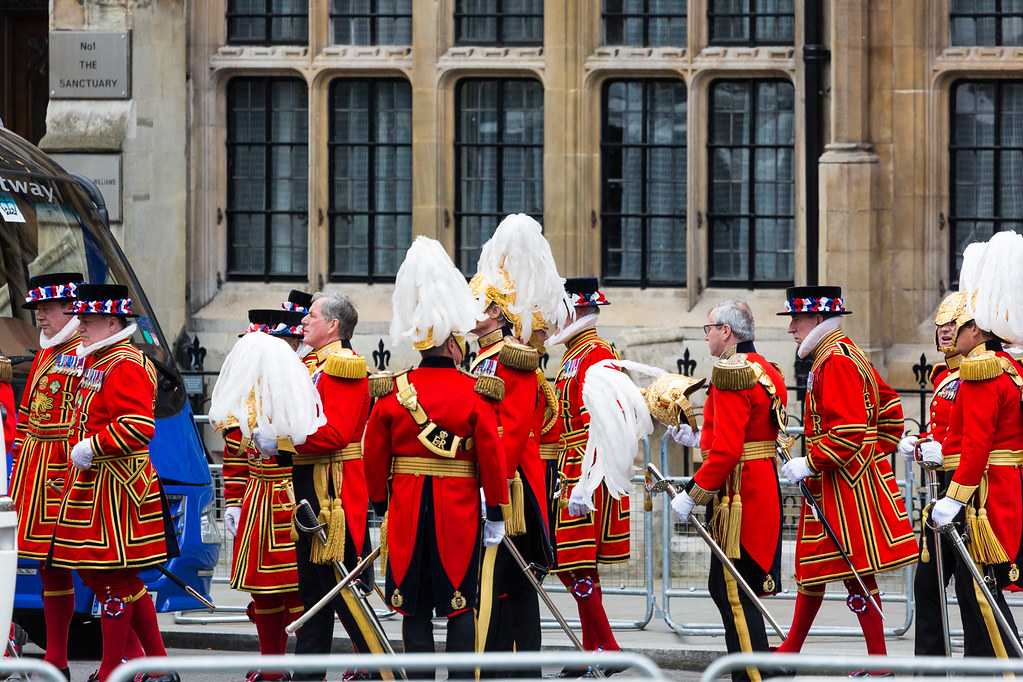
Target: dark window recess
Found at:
499, 22
986, 163
752, 185
370, 178
643, 182
986, 22
645, 23
268, 185
371, 22
751, 22
498, 159
268, 22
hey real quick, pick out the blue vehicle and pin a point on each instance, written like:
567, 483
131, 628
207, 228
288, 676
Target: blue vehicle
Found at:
53, 222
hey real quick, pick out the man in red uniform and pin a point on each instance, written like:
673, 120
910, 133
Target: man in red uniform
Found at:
328, 472
585, 537
851, 418
259, 503
40, 447
113, 520
744, 410
518, 287
431, 444
987, 422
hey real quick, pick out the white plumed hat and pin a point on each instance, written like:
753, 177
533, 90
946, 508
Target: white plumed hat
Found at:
517, 272
991, 278
431, 298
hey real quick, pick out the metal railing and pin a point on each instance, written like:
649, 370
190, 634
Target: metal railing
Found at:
790, 664
638, 666
36, 669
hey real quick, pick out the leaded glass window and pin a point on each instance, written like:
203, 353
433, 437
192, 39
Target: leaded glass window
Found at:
267, 170
752, 185
499, 22
498, 159
986, 164
751, 22
645, 23
986, 22
371, 22
643, 189
268, 22
370, 177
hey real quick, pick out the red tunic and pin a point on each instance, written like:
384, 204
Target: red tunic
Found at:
9, 410
41, 447
264, 553
740, 445
113, 514
346, 407
989, 417
852, 421
601, 536
945, 382
448, 397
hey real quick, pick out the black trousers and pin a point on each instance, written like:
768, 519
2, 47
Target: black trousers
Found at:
315, 580
417, 635
745, 619
976, 637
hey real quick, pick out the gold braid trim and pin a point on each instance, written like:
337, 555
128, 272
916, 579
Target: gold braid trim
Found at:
980, 367
6, 371
518, 356
381, 384
733, 374
490, 386
701, 495
551, 411
345, 366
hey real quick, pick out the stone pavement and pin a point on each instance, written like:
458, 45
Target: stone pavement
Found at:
657, 640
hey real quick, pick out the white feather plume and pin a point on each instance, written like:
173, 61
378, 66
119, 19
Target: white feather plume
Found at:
282, 393
619, 419
519, 251
431, 297
994, 285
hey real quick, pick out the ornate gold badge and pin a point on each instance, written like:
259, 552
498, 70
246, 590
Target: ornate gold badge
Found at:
396, 599
769, 583
1013, 573
457, 601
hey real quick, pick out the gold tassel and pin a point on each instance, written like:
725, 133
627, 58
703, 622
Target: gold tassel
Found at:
925, 552
648, 502
719, 520
383, 542
733, 546
973, 532
516, 525
989, 547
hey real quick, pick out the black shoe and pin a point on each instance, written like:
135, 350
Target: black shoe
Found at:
157, 677
66, 672
93, 676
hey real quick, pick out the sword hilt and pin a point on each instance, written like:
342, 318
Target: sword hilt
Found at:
305, 518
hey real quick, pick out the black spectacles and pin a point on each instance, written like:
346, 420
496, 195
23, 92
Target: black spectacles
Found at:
708, 327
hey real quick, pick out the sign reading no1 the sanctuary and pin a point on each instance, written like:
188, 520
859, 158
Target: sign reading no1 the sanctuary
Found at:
90, 65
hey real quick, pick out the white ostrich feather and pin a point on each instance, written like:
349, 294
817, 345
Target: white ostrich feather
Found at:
431, 297
992, 278
266, 371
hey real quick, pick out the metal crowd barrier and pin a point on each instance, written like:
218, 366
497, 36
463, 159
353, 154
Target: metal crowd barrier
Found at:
791, 664
638, 666
691, 562
36, 668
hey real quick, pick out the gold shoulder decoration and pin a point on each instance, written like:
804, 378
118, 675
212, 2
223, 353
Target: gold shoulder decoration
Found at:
1010, 369
490, 386
552, 405
980, 367
380, 384
733, 374
519, 356
6, 372
346, 365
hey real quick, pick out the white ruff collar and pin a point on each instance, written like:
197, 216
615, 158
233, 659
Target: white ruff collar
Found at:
809, 344
126, 333
566, 334
60, 337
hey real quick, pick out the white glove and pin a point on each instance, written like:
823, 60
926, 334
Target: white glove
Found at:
795, 470
579, 503
944, 510
82, 454
683, 505
266, 442
493, 532
231, 517
907, 446
930, 453
684, 435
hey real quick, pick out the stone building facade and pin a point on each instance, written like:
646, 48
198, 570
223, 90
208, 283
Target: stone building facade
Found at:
685, 151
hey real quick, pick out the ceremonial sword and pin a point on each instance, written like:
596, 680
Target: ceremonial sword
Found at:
326, 599
783, 453
192, 592
931, 474
660, 484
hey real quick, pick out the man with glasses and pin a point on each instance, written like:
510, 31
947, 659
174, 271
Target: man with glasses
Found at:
743, 413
